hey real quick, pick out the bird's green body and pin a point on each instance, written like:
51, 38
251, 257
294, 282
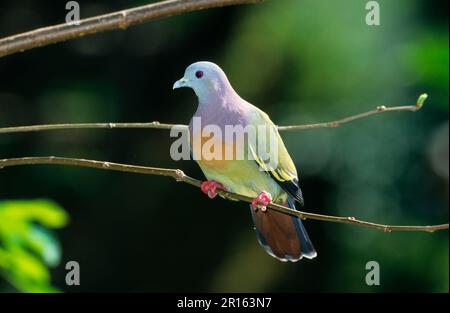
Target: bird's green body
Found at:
242, 176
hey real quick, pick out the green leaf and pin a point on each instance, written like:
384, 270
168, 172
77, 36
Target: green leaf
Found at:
45, 244
43, 211
27, 245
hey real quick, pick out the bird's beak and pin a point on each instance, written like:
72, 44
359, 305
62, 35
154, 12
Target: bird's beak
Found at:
180, 83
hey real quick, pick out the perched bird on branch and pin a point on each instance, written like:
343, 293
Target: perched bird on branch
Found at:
238, 161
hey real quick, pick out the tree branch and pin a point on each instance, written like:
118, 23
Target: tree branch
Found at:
36, 128
178, 175
158, 125
112, 21
380, 109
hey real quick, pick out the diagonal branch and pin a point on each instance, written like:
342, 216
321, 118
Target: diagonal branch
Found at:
180, 176
158, 125
380, 109
112, 21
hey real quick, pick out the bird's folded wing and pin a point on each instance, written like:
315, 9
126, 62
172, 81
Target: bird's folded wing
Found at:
283, 170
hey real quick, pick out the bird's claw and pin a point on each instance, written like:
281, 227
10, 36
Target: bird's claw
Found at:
261, 201
210, 186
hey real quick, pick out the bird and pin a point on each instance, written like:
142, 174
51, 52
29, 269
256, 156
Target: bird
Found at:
282, 236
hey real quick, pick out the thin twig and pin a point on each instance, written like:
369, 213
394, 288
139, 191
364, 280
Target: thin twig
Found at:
378, 110
180, 176
158, 125
116, 20
36, 128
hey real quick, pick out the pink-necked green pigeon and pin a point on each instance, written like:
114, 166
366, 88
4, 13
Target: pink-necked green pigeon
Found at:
281, 235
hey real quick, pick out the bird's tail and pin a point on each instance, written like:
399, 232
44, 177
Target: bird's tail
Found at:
282, 236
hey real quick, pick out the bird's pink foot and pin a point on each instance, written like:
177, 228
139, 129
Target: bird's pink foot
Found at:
210, 186
261, 201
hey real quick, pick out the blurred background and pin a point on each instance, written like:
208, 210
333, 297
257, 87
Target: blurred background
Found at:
301, 62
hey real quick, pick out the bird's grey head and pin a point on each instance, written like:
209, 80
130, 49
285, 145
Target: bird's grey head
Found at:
207, 80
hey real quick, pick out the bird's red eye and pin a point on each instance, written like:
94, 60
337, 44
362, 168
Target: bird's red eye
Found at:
199, 74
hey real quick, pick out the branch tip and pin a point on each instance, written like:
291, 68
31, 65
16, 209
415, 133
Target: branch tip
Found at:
421, 100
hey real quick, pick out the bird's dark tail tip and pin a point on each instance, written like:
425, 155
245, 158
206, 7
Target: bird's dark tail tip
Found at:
283, 236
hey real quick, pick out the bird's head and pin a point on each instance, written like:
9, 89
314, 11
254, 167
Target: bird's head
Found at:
206, 79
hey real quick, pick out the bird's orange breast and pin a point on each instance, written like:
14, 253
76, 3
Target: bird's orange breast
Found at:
215, 151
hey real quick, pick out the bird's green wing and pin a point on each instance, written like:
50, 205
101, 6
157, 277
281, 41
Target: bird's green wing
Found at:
283, 170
